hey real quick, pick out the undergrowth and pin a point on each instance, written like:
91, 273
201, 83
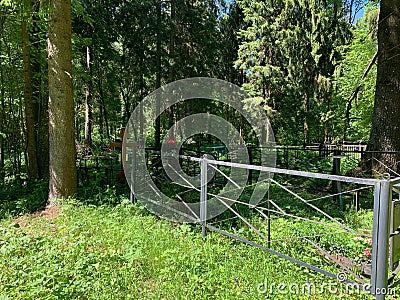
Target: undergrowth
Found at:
123, 252
101, 247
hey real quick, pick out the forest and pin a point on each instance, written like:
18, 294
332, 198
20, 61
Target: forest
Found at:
311, 65
325, 73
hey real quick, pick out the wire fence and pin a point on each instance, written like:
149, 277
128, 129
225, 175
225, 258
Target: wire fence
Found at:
320, 210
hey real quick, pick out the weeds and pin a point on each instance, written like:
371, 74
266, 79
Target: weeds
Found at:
101, 247
120, 252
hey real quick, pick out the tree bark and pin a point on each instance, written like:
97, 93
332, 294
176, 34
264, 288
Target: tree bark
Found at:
36, 120
385, 131
157, 134
355, 93
2, 148
171, 73
62, 168
305, 120
103, 109
2, 103
43, 136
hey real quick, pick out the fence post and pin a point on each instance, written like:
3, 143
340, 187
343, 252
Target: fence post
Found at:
380, 239
203, 194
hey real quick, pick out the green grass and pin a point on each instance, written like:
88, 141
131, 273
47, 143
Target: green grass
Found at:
123, 252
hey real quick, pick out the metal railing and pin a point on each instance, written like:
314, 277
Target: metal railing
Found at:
382, 228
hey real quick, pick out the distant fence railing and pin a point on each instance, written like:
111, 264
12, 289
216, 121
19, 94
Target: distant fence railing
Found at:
328, 159
288, 157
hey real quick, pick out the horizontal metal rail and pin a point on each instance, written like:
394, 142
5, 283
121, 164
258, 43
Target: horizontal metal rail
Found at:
365, 181
289, 258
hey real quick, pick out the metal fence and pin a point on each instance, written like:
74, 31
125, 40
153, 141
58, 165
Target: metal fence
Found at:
108, 166
383, 229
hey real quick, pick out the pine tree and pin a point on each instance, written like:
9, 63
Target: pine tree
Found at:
385, 131
290, 51
63, 181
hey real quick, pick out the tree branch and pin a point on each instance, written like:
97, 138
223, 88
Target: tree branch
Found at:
356, 91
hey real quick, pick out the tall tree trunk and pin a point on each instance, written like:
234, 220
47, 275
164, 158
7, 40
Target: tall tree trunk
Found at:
141, 85
2, 104
171, 74
385, 131
354, 94
36, 114
43, 136
88, 100
305, 119
63, 181
20, 124
157, 134
125, 100
30, 106
2, 148
103, 113
141, 96
350, 18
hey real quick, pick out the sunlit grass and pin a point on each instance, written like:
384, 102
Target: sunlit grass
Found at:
122, 252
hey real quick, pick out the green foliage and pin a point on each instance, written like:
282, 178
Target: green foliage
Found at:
116, 252
98, 194
298, 59
290, 52
126, 61
17, 199
358, 57
5, 2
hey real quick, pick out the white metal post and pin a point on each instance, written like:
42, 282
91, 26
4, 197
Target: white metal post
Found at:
203, 194
380, 239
